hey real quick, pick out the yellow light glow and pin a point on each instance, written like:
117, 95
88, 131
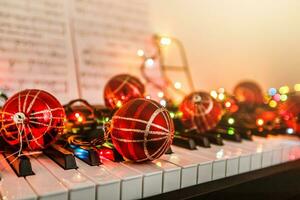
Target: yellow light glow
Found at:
221, 97
79, 119
231, 121
172, 114
283, 97
149, 63
227, 104
158, 164
160, 94
177, 85
272, 104
260, 122
119, 104
77, 115
165, 41
214, 94
140, 52
297, 87
284, 89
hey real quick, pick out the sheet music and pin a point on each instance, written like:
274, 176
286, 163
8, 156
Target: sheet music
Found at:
35, 48
69, 47
107, 36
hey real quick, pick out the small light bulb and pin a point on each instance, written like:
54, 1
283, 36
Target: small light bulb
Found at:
172, 114
163, 102
297, 87
80, 119
160, 94
284, 89
214, 94
283, 97
227, 104
231, 121
221, 96
289, 131
259, 122
148, 97
272, 91
165, 41
272, 104
149, 62
177, 85
140, 52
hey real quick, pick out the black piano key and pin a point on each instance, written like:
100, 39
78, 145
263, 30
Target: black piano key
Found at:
87, 155
260, 133
246, 134
169, 151
21, 165
234, 137
214, 138
185, 142
229, 134
199, 139
61, 156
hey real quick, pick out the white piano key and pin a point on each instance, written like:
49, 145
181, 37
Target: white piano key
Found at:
265, 146
131, 181
266, 158
188, 168
108, 185
252, 148
78, 185
244, 163
152, 177
277, 155
225, 162
13, 187
45, 184
171, 175
205, 165
249, 158
286, 153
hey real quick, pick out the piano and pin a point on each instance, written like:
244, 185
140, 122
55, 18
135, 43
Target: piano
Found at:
180, 174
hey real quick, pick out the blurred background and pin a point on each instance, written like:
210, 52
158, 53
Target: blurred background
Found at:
72, 47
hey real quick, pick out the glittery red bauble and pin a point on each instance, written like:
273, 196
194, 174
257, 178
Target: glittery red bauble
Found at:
142, 130
121, 89
249, 93
31, 119
200, 111
290, 112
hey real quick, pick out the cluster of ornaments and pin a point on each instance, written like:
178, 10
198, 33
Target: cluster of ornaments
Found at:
140, 129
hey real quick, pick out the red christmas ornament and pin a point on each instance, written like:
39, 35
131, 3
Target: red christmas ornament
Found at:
249, 93
200, 112
142, 130
31, 119
290, 112
122, 88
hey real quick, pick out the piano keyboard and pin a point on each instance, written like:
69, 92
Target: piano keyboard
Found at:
125, 180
